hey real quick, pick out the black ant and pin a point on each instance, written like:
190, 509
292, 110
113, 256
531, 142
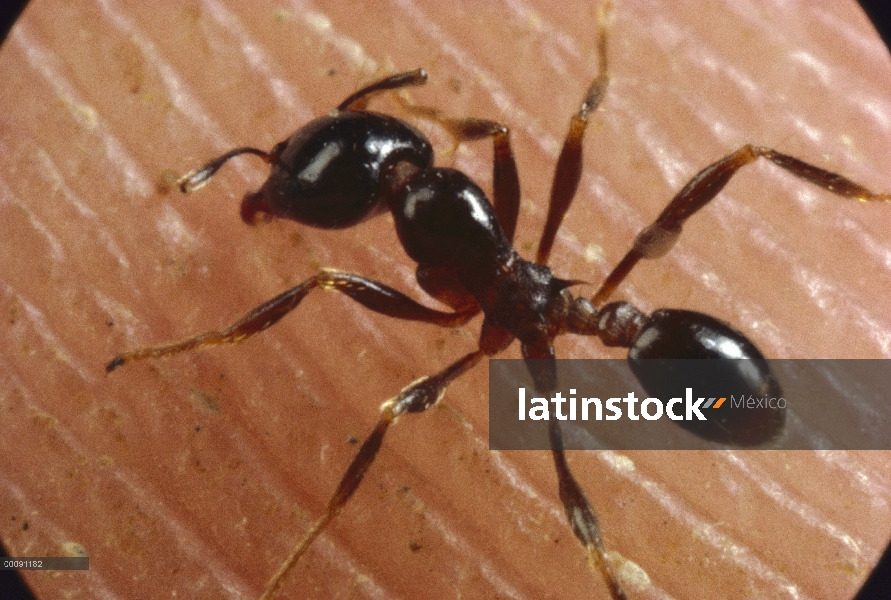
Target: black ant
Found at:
353, 164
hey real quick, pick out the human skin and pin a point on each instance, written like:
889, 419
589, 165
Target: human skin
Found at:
197, 474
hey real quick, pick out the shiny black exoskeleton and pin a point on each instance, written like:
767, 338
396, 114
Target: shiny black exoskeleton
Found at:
329, 174
353, 164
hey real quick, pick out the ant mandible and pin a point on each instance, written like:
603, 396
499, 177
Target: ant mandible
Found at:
353, 164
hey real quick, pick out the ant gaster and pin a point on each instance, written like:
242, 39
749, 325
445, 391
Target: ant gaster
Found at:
353, 164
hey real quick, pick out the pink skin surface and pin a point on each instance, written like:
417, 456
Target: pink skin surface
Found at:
192, 477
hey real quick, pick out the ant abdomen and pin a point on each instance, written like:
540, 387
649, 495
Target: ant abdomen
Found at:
726, 364
329, 173
686, 334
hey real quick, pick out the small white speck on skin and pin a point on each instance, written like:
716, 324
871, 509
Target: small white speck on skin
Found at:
714, 283
631, 574
318, 21
621, 462
594, 253
85, 114
73, 549
174, 230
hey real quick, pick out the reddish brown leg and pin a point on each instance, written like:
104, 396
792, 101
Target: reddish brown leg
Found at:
568, 172
505, 179
415, 398
369, 293
443, 284
579, 513
581, 516
658, 238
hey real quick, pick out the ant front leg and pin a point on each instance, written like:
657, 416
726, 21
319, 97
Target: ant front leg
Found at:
371, 294
658, 238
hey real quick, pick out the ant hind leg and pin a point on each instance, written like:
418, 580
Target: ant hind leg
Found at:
660, 236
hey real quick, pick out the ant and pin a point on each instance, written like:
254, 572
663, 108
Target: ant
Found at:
353, 164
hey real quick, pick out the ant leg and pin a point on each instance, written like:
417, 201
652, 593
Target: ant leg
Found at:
371, 294
415, 398
581, 516
568, 172
443, 284
198, 178
359, 100
658, 238
579, 513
